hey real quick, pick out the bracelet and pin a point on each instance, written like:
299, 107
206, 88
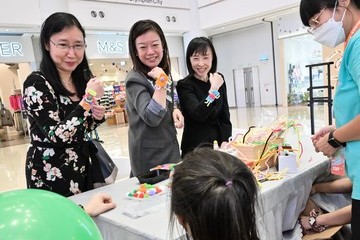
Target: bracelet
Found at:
81, 206
312, 221
85, 105
89, 97
92, 92
161, 81
214, 94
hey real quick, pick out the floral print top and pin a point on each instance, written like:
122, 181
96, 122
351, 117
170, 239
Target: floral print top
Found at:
57, 159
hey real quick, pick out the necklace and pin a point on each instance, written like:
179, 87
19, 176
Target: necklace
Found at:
67, 82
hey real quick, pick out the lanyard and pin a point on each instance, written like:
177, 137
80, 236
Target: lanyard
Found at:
352, 32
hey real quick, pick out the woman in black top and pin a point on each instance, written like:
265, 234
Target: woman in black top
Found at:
203, 99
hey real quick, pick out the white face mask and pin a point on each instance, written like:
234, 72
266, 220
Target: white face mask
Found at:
330, 33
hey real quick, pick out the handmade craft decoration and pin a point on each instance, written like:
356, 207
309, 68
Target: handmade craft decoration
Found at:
286, 160
258, 147
146, 191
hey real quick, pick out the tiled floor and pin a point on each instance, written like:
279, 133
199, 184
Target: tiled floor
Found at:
12, 153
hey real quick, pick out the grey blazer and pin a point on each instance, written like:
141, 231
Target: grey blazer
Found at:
152, 134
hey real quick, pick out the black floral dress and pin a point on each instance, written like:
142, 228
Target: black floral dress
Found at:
58, 158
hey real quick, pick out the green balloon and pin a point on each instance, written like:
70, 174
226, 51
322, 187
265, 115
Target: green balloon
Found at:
30, 214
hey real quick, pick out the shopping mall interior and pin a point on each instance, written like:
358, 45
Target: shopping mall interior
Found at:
265, 49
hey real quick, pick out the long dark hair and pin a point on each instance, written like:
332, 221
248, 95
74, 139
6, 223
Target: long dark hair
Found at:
55, 23
200, 45
214, 196
139, 28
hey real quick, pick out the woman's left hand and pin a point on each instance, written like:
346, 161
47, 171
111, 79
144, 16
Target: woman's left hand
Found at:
178, 118
98, 111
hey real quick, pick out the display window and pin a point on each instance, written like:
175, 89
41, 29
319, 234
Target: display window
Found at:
112, 73
300, 51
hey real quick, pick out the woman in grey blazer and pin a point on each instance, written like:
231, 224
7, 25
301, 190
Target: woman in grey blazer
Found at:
150, 100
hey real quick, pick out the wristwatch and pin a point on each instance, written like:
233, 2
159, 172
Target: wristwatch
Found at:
334, 142
314, 226
312, 221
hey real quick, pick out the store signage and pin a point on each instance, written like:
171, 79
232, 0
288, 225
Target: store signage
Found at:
16, 49
110, 47
106, 46
158, 3
155, 2
8, 49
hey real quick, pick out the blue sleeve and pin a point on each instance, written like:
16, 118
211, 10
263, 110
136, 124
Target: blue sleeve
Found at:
353, 59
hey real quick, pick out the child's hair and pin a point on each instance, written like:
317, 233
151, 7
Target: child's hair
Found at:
214, 196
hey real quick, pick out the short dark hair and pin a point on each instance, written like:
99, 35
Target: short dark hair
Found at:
308, 8
56, 23
139, 28
200, 45
214, 195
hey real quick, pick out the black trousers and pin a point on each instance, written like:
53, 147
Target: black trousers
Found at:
355, 219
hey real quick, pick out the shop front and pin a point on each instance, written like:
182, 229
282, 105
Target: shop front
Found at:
16, 63
109, 61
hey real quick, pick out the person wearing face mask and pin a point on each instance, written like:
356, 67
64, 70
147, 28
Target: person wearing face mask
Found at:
203, 99
331, 33
333, 22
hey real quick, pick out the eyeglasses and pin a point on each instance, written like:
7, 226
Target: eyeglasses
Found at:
315, 21
66, 47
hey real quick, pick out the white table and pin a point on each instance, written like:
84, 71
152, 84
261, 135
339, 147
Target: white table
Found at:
280, 203
115, 225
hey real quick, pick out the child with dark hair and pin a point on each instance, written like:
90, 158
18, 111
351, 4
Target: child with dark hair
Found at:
214, 196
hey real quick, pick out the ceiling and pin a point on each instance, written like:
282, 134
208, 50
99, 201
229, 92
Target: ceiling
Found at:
252, 21
222, 28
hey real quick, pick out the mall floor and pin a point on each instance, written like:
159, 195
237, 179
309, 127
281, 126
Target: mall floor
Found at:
13, 149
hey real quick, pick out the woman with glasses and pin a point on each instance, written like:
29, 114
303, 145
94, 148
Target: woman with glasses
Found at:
333, 22
150, 100
60, 102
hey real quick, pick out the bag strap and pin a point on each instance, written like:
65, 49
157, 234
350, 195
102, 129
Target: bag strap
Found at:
97, 135
90, 136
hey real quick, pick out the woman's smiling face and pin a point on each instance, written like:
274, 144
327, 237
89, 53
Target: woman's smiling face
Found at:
149, 49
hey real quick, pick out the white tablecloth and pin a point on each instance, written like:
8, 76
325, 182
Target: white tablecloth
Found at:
280, 203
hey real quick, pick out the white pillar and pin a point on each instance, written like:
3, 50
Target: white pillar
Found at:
196, 30
49, 7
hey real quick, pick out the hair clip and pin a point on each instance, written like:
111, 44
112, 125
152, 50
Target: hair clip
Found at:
228, 183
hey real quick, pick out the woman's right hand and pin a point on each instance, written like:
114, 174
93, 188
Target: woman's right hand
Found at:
98, 204
322, 132
156, 72
216, 81
95, 84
